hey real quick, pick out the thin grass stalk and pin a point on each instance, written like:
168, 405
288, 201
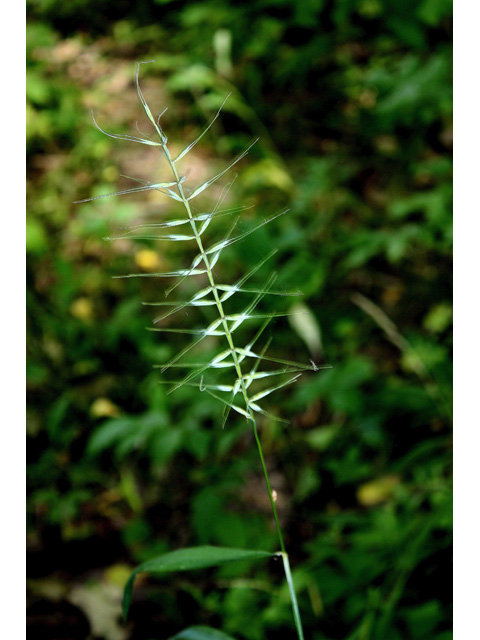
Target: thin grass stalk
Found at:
220, 294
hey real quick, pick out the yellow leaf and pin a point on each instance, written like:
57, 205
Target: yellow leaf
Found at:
147, 259
268, 173
118, 574
103, 407
377, 491
82, 309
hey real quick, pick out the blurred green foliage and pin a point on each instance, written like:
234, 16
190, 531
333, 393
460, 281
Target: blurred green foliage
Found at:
352, 103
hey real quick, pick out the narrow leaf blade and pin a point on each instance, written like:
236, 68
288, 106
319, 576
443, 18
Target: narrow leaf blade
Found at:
186, 560
293, 596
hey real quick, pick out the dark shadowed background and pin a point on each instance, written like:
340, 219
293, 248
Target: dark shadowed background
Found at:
351, 100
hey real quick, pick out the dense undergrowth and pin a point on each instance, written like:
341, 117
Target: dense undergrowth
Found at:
351, 102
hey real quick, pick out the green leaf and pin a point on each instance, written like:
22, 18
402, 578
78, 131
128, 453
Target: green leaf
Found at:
109, 434
293, 596
201, 633
35, 236
186, 560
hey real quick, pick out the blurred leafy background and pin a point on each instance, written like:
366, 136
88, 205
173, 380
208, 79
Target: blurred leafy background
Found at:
352, 103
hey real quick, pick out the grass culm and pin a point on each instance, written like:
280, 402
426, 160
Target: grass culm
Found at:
231, 375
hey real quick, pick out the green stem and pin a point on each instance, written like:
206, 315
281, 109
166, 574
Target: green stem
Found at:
270, 493
284, 554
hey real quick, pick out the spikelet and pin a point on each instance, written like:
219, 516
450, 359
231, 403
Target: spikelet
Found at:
230, 375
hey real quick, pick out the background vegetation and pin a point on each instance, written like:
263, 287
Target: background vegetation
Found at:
352, 103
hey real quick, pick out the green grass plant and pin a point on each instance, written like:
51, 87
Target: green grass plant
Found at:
239, 373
